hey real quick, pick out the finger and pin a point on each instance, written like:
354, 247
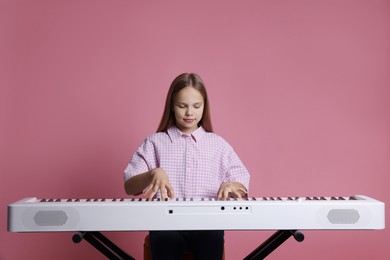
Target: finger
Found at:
243, 192
153, 192
237, 194
219, 195
151, 195
225, 194
170, 192
147, 190
242, 189
163, 193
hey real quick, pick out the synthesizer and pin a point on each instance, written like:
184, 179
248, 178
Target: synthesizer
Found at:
133, 214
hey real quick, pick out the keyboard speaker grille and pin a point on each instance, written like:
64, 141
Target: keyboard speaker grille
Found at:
343, 216
50, 218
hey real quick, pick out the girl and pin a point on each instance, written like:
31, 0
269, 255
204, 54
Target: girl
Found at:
185, 159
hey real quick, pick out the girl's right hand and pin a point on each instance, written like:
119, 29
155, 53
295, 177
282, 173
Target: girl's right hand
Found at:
160, 181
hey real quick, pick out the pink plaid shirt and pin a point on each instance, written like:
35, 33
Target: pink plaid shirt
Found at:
196, 163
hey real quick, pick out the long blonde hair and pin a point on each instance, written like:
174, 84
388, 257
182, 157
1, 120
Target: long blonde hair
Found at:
180, 82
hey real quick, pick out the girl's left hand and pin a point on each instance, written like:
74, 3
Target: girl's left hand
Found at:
235, 189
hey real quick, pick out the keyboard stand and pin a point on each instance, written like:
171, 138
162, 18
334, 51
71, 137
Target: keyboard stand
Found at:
103, 244
273, 242
112, 251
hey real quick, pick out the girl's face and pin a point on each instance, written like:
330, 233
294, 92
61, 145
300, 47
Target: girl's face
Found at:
188, 108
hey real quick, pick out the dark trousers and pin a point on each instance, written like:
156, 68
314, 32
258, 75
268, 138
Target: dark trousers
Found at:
204, 245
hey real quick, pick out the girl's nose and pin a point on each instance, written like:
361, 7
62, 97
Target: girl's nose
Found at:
189, 111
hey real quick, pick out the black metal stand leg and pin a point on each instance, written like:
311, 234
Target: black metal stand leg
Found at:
274, 242
103, 244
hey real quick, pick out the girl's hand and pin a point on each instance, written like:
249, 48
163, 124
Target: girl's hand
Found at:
234, 189
160, 182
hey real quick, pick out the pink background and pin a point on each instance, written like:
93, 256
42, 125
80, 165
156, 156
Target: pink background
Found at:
300, 89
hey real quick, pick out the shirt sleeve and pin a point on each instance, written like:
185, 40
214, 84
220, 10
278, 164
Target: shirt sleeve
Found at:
142, 160
234, 169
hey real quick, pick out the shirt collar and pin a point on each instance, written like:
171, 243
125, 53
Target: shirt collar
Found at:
175, 134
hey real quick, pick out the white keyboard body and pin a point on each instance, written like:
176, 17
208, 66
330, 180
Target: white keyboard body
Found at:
303, 213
